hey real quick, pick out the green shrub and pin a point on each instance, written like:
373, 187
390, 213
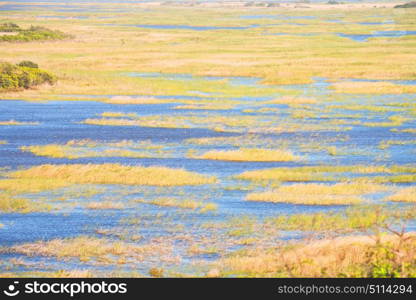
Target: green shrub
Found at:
392, 259
28, 63
34, 33
9, 27
407, 5
23, 75
8, 81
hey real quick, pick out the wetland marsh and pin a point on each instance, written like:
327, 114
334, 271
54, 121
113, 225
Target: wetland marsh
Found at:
213, 140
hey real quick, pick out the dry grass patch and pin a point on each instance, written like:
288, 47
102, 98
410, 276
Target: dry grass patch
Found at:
308, 199
347, 188
88, 148
354, 219
206, 106
287, 174
105, 205
292, 100
11, 204
31, 185
113, 122
319, 194
73, 152
135, 100
404, 195
315, 173
407, 130
354, 87
16, 123
250, 154
114, 174
53, 274
350, 256
83, 247
180, 203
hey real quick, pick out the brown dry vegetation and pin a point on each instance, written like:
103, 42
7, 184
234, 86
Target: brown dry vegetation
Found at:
250, 154
352, 256
113, 174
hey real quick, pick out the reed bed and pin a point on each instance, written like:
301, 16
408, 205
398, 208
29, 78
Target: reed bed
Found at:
250, 154
114, 174
306, 199
404, 195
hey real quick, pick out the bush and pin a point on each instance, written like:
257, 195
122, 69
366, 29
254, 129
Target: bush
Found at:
407, 5
23, 75
8, 81
9, 27
34, 33
28, 64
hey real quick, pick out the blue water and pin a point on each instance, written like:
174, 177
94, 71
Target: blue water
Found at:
376, 34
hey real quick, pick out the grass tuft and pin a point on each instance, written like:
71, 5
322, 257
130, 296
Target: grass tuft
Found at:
114, 174
250, 154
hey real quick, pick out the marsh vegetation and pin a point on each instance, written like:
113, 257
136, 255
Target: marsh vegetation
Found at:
248, 141
24, 75
11, 32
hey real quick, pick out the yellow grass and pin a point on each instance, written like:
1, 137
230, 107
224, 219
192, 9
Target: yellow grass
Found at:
350, 188
347, 256
16, 123
208, 207
87, 148
292, 100
55, 274
71, 274
404, 195
114, 174
11, 204
308, 199
31, 185
134, 100
206, 106
82, 247
73, 152
314, 173
319, 194
350, 87
284, 174
97, 250
408, 130
180, 203
111, 114
55, 151
92, 62
105, 205
113, 122
250, 154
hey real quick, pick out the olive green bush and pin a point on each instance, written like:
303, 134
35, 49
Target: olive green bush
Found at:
33, 33
24, 75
